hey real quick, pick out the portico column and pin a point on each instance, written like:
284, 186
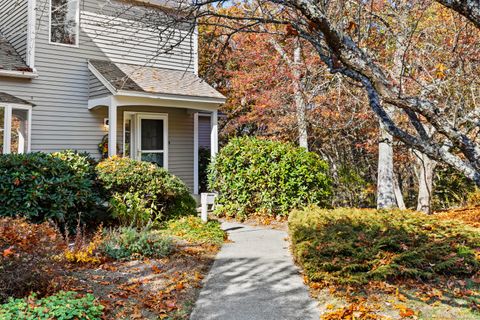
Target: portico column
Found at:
195, 153
112, 127
214, 134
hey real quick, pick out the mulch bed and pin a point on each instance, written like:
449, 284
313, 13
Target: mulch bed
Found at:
146, 289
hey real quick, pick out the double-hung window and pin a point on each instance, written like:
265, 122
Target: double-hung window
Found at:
64, 22
15, 129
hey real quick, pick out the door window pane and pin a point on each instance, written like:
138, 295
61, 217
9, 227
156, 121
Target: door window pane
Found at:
154, 158
63, 21
19, 132
152, 134
2, 124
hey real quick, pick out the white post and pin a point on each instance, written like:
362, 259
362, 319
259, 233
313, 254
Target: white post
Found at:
214, 134
204, 202
31, 20
112, 127
7, 130
195, 153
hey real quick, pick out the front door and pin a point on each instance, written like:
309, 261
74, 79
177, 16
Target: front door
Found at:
152, 139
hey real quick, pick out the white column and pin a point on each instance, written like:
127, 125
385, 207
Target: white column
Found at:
214, 134
112, 127
195, 153
31, 20
7, 130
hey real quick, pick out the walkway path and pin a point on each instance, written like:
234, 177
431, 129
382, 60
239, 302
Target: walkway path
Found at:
254, 278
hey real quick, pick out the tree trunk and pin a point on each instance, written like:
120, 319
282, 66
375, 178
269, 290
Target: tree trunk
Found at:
389, 194
300, 104
425, 167
386, 177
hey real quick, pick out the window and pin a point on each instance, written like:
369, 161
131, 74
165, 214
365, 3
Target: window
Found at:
64, 21
14, 129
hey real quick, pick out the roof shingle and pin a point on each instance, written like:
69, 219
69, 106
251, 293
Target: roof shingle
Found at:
9, 58
8, 98
128, 77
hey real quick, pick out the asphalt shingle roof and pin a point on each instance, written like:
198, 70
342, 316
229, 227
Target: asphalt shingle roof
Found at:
9, 58
8, 98
128, 77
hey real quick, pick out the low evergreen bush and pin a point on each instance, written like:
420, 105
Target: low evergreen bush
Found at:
354, 246
61, 306
126, 243
41, 186
265, 177
142, 192
193, 229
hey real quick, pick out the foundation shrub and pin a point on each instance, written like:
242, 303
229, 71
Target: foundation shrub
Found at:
262, 177
141, 192
38, 186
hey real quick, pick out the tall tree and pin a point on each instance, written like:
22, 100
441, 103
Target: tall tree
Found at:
323, 25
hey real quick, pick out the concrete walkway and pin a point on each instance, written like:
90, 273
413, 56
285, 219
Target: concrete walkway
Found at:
254, 278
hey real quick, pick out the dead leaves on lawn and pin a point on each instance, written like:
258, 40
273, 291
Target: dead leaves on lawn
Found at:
148, 289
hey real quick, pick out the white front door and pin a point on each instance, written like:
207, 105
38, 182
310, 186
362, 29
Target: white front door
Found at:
151, 138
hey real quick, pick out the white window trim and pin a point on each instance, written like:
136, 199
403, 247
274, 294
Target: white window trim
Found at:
77, 20
7, 125
127, 116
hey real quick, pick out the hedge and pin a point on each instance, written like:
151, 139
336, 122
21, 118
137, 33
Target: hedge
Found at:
265, 177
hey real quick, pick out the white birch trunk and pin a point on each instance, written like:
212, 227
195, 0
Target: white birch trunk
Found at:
300, 104
386, 198
425, 170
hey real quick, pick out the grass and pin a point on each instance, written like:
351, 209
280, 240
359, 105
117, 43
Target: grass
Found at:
192, 229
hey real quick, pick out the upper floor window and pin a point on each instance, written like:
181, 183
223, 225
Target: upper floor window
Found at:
64, 21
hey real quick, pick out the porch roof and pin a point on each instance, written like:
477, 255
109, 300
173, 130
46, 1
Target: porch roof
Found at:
9, 99
128, 79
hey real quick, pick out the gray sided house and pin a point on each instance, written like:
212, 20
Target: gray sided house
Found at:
74, 73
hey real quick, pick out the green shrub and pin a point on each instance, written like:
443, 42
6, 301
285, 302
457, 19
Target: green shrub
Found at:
61, 306
354, 246
194, 230
127, 243
42, 186
266, 177
142, 192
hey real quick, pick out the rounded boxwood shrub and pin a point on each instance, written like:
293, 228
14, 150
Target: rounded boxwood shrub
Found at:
41, 186
142, 192
255, 176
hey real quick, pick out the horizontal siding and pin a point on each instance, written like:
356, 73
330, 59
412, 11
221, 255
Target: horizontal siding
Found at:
97, 89
13, 24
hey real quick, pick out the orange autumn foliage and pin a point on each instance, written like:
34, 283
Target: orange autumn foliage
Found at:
27, 261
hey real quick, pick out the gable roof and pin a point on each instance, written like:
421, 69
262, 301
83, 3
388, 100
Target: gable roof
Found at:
133, 78
8, 98
10, 60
